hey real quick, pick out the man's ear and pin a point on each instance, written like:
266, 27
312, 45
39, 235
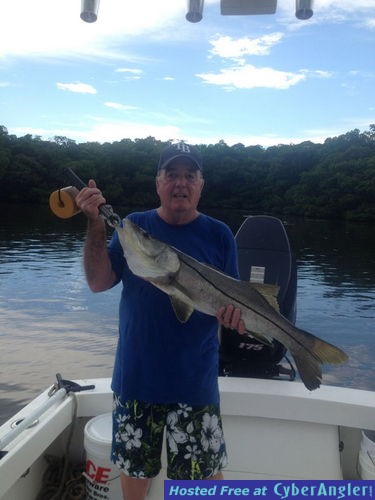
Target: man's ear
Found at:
157, 184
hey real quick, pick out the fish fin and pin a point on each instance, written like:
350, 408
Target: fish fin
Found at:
309, 362
328, 353
309, 370
182, 310
269, 292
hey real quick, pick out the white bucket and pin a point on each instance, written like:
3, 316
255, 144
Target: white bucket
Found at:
366, 457
102, 476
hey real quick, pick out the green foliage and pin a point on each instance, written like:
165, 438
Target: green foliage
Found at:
332, 180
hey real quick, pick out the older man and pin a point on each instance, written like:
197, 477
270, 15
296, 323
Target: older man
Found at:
166, 372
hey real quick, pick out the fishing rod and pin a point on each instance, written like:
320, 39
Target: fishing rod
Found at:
56, 395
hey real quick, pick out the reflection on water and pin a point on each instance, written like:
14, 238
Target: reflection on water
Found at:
50, 322
336, 292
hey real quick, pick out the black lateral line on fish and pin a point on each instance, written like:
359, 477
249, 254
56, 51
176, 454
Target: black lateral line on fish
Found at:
257, 312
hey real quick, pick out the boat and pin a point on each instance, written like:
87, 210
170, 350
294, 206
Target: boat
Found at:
275, 429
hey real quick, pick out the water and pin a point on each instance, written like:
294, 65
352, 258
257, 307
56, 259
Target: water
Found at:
50, 322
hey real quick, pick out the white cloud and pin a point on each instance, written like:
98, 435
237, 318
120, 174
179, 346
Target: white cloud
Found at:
133, 71
249, 77
120, 107
321, 73
130, 73
344, 5
331, 11
115, 131
370, 23
80, 88
318, 73
168, 78
327, 12
50, 29
101, 130
228, 47
4, 84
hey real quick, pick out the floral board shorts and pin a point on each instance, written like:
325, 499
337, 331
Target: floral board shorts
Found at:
194, 437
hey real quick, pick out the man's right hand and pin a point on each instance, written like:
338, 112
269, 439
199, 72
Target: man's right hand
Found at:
89, 199
99, 273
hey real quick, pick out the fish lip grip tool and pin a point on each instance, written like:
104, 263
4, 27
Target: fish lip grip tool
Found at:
62, 202
106, 211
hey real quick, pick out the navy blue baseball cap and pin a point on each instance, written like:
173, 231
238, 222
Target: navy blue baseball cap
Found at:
180, 150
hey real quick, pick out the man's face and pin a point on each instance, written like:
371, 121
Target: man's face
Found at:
179, 186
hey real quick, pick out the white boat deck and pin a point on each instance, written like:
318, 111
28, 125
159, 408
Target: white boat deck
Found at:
273, 429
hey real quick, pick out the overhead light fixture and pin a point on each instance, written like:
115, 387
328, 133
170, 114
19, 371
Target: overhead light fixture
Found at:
89, 10
304, 9
247, 7
195, 11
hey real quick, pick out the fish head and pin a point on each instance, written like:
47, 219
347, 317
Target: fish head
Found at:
146, 256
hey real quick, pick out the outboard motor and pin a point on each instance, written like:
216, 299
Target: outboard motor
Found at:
264, 256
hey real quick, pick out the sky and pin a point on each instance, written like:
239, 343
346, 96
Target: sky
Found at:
143, 70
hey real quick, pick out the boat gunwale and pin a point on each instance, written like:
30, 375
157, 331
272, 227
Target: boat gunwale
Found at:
240, 397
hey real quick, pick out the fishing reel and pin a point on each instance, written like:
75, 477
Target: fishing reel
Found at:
63, 204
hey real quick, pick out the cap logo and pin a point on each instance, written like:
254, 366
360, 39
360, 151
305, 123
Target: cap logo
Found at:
184, 148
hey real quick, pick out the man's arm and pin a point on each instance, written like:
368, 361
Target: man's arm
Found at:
98, 268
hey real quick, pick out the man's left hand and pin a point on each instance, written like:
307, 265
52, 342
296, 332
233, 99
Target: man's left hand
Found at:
230, 317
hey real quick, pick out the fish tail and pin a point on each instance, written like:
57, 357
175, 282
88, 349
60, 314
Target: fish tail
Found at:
309, 370
328, 353
309, 361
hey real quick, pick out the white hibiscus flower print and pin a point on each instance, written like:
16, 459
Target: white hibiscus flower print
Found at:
131, 437
123, 464
175, 435
118, 437
121, 419
184, 410
139, 475
190, 430
192, 452
211, 434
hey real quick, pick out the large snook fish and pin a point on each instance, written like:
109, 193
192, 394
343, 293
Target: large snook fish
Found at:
193, 285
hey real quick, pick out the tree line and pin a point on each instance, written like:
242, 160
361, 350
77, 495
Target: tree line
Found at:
335, 179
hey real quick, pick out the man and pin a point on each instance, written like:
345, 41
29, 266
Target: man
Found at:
166, 372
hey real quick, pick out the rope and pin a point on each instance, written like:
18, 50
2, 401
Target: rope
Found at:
61, 480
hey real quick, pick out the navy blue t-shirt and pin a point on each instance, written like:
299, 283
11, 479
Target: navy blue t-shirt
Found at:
159, 359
